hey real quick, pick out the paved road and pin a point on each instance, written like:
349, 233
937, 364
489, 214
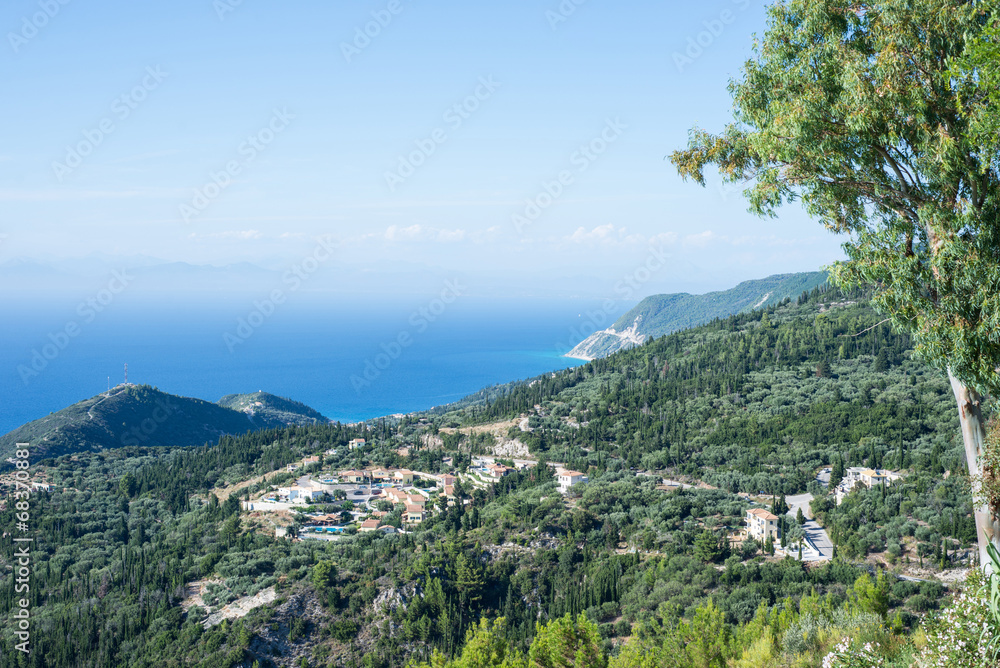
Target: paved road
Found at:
814, 532
824, 477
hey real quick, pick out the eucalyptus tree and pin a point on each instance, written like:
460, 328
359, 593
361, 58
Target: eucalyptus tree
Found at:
856, 109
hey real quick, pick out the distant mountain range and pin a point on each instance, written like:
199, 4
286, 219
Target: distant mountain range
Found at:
659, 315
143, 415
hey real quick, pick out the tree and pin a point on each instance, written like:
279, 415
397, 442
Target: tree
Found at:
486, 646
706, 546
882, 361
800, 517
853, 108
127, 486
230, 529
567, 643
324, 574
870, 596
837, 472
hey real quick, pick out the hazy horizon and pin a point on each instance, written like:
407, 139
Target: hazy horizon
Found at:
523, 144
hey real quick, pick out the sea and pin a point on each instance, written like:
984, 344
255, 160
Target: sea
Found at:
351, 360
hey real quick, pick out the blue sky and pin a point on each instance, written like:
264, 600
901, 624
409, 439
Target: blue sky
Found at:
225, 132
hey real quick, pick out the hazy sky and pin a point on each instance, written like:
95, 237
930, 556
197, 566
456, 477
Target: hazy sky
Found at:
412, 133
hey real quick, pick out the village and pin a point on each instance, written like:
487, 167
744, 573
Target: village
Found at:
330, 504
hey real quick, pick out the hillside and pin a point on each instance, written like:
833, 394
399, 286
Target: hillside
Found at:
741, 409
658, 315
133, 415
267, 410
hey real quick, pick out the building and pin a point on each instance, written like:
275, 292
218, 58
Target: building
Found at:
569, 478
414, 514
405, 476
368, 525
859, 475
446, 480
496, 471
761, 524
355, 443
310, 460
354, 476
301, 493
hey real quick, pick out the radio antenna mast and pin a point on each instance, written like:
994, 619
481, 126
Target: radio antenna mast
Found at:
126, 373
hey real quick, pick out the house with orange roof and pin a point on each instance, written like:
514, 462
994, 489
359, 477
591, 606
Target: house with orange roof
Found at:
761, 524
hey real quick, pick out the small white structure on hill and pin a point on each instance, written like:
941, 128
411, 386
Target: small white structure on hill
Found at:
569, 478
860, 475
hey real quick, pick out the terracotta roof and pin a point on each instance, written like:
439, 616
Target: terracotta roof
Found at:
760, 512
572, 474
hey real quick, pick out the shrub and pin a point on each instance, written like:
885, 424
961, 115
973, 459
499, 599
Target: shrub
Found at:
954, 639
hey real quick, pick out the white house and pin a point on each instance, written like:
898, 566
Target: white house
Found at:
859, 475
761, 524
355, 443
569, 478
300, 494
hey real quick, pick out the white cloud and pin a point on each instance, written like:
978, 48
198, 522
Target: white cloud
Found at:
447, 236
395, 233
703, 239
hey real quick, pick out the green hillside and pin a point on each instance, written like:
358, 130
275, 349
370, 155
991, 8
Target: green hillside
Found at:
129, 415
268, 410
663, 314
755, 402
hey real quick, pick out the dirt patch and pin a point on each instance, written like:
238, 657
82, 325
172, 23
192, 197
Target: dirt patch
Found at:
241, 607
225, 492
494, 428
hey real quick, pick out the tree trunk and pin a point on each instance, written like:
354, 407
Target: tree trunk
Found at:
970, 417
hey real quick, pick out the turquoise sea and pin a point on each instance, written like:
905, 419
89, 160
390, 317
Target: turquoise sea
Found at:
350, 360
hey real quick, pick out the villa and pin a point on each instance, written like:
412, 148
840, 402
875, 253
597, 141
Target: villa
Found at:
761, 524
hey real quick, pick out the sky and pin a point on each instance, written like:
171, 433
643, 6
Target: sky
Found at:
518, 145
